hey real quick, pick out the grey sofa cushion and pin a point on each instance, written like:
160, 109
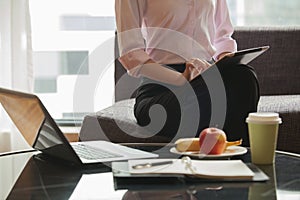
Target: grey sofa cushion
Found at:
288, 107
117, 124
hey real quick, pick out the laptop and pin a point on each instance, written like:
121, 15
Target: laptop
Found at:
40, 130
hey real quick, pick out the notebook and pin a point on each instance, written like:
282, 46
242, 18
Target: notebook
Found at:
41, 132
191, 169
208, 169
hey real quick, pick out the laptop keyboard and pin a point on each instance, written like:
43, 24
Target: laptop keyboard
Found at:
91, 153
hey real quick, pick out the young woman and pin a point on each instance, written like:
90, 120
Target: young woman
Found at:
169, 44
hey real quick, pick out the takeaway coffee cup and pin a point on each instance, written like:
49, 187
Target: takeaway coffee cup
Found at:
263, 132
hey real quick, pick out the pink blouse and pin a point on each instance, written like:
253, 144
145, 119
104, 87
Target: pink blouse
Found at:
172, 31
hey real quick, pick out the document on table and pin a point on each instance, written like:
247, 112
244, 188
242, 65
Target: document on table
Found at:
210, 169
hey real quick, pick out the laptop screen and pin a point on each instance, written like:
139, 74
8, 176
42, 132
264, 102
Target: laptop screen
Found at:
25, 113
35, 124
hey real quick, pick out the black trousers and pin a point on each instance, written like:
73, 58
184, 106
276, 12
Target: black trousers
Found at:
190, 108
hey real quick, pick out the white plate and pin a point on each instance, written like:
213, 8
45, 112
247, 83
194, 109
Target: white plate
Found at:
229, 152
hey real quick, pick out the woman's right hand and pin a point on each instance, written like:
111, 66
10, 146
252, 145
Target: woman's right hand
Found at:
194, 68
187, 72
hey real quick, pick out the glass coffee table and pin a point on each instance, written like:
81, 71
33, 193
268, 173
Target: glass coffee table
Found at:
34, 176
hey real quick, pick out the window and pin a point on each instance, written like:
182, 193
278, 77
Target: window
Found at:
65, 35
264, 13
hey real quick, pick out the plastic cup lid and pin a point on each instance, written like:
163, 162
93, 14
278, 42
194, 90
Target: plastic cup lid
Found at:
264, 117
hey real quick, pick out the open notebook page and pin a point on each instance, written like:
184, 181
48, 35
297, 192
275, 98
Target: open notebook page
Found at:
215, 169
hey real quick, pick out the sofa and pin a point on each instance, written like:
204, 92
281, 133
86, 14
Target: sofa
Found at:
278, 75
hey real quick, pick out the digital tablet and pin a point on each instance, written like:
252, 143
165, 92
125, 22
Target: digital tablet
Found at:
243, 56
239, 57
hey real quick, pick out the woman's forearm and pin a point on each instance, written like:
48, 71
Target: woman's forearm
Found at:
160, 73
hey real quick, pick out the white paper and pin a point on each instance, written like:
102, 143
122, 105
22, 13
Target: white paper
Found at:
214, 168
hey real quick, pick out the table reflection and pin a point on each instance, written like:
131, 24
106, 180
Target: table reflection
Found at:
44, 178
260, 191
190, 191
97, 186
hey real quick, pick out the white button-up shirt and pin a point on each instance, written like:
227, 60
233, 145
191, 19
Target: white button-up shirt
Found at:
172, 31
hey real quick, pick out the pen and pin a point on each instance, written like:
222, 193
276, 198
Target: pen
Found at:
147, 165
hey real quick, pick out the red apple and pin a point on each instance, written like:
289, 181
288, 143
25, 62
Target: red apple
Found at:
212, 141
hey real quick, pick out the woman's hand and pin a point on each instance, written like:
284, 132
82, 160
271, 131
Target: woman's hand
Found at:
187, 72
194, 68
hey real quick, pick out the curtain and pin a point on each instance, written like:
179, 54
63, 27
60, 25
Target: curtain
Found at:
16, 69
15, 45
